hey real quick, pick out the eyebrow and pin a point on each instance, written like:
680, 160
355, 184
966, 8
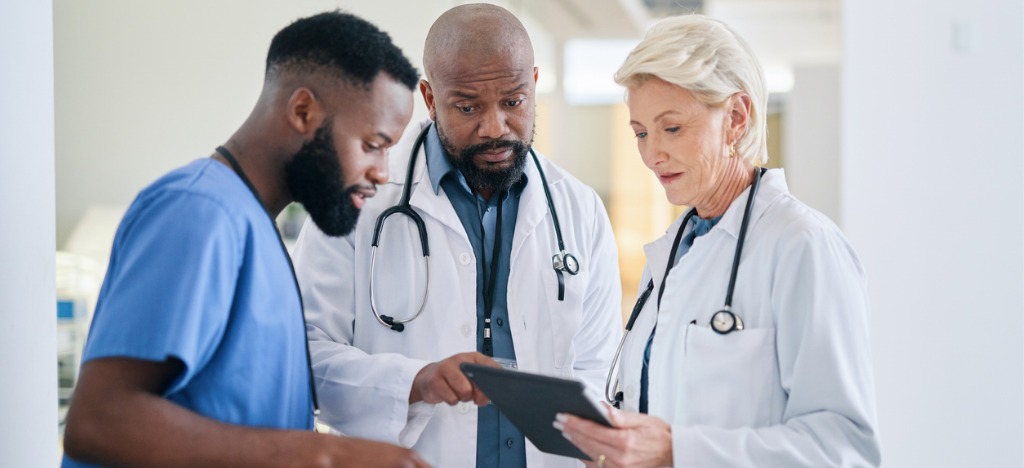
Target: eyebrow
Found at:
657, 117
466, 95
516, 89
384, 137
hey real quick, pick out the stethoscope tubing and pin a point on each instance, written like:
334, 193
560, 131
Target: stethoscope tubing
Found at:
641, 301
563, 261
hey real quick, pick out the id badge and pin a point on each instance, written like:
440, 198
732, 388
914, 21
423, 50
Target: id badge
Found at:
507, 363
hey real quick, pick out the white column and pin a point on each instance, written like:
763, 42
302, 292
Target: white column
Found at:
932, 198
28, 395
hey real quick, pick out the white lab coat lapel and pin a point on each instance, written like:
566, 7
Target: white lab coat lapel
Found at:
657, 256
533, 208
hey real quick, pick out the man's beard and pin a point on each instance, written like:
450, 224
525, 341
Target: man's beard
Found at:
484, 178
316, 180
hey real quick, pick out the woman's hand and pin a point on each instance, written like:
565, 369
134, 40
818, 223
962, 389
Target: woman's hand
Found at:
635, 440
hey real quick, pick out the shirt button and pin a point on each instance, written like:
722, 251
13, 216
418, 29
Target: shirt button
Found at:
465, 258
501, 322
466, 330
509, 442
630, 392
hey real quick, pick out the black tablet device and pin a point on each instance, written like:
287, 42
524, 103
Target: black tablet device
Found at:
531, 402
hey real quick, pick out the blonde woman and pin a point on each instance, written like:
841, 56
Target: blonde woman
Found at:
753, 348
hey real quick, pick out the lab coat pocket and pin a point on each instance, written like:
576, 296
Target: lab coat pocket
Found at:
566, 316
728, 379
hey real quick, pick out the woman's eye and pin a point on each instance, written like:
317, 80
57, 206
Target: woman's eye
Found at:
640, 135
672, 130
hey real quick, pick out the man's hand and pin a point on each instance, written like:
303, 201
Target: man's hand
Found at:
444, 382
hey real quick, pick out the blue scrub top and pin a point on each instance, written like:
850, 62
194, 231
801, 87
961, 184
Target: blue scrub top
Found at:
499, 443
197, 274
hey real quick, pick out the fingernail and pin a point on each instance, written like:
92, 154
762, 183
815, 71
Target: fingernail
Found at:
558, 425
567, 436
561, 417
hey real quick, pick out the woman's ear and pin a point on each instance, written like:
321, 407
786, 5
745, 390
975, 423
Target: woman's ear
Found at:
739, 115
305, 113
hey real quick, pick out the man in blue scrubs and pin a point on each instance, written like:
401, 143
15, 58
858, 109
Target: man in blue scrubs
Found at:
197, 352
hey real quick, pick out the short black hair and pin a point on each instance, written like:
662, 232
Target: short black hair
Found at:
335, 42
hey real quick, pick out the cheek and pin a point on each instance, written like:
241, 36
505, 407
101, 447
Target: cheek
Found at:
353, 162
522, 120
646, 155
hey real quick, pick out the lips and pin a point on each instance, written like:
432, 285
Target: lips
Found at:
669, 177
495, 156
358, 200
359, 197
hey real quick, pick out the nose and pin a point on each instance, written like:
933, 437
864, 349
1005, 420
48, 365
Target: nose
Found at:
653, 152
493, 124
378, 172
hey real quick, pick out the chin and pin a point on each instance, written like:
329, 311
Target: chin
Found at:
676, 199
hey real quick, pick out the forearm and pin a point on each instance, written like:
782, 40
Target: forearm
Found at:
146, 430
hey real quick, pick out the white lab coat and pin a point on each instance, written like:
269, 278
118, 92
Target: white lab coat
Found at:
795, 387
364, 371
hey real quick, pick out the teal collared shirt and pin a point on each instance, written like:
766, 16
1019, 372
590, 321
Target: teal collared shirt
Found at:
499, 443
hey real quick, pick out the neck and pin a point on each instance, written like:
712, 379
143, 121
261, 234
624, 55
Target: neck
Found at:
265, 173
734, 180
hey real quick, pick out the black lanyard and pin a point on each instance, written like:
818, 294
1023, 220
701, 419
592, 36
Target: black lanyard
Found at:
491, 280
309, 362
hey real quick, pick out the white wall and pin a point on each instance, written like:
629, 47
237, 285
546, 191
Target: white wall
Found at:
143, 87
811, 138
932, 198
28, 319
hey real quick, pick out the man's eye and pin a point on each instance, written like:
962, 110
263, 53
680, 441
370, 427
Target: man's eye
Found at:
465, 109
513, 102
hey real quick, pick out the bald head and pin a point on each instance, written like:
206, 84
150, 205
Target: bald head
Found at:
476, 33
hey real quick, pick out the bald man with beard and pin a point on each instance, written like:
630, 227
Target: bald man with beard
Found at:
493, 296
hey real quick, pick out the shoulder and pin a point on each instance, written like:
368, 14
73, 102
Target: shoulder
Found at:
783, 214
203, 196
798, 231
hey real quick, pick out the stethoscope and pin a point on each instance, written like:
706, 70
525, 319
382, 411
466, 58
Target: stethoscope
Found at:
561, 262
724, 321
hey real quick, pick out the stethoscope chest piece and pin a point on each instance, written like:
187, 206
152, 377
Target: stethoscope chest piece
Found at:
565, 262
724, 322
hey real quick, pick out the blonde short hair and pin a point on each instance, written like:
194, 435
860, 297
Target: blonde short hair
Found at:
707, 58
